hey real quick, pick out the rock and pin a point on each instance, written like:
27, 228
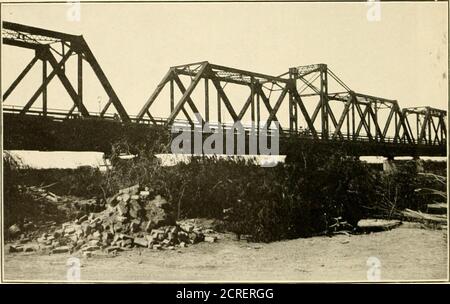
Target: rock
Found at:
130, 190
107, 236
69, 230
183, 236
96, 235
94, 243
113, 248
28, 226
112, 201
45, 249
127, 243
121, 219
134, 208
74, 238
195, 238
58, 233
173, 237
14, 230
24, 240
87, 254
86, 228
150, 240
157, 246
183, 244
378, 224
82, 219
125, 198
144, 194
142, 242
187, 227
122, 208
16, 248
157, 214
90, 248
210, 239
30, 248
62, 249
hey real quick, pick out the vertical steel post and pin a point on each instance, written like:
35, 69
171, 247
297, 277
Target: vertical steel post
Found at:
219, 110
324, 100
293, 116
44, 90
206, 100
80, 78
353, 116
172, 96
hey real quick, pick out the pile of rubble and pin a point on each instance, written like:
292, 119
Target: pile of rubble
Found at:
132, 218
44, 210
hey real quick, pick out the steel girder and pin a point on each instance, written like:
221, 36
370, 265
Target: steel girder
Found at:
219, 77
47, 44
361, 112
430, 124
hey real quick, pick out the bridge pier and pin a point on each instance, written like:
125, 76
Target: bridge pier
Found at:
392, 165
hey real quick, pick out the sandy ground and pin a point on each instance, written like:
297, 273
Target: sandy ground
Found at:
405, 253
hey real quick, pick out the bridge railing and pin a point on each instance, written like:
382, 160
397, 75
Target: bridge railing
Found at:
62, 115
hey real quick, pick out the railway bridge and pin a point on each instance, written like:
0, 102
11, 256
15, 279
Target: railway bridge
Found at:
306, 105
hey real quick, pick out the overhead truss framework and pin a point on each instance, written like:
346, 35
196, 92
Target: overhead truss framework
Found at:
430, 125
260, 87
362, 116
319, 104
55, 49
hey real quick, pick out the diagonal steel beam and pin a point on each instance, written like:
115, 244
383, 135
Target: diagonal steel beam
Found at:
66, 83
90, 58
151, 117
20, 77
276, 106
388, 122
186, 94
333, 119
267, 104
377, 127
225, 99
436, 132
342, 118
245, 107
316, 111
363, 120
423, 129
155, 94
189, 99
299, 101
45, 83
105, 108
403, 120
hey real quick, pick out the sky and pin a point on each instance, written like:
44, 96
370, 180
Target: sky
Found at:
403, 56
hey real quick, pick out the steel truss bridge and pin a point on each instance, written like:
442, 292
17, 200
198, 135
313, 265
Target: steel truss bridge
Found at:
309, 105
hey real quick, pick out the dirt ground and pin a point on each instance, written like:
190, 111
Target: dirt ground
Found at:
405, 253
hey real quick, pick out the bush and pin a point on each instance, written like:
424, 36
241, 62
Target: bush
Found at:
300, 198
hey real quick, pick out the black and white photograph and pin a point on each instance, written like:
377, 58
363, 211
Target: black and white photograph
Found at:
224, 142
